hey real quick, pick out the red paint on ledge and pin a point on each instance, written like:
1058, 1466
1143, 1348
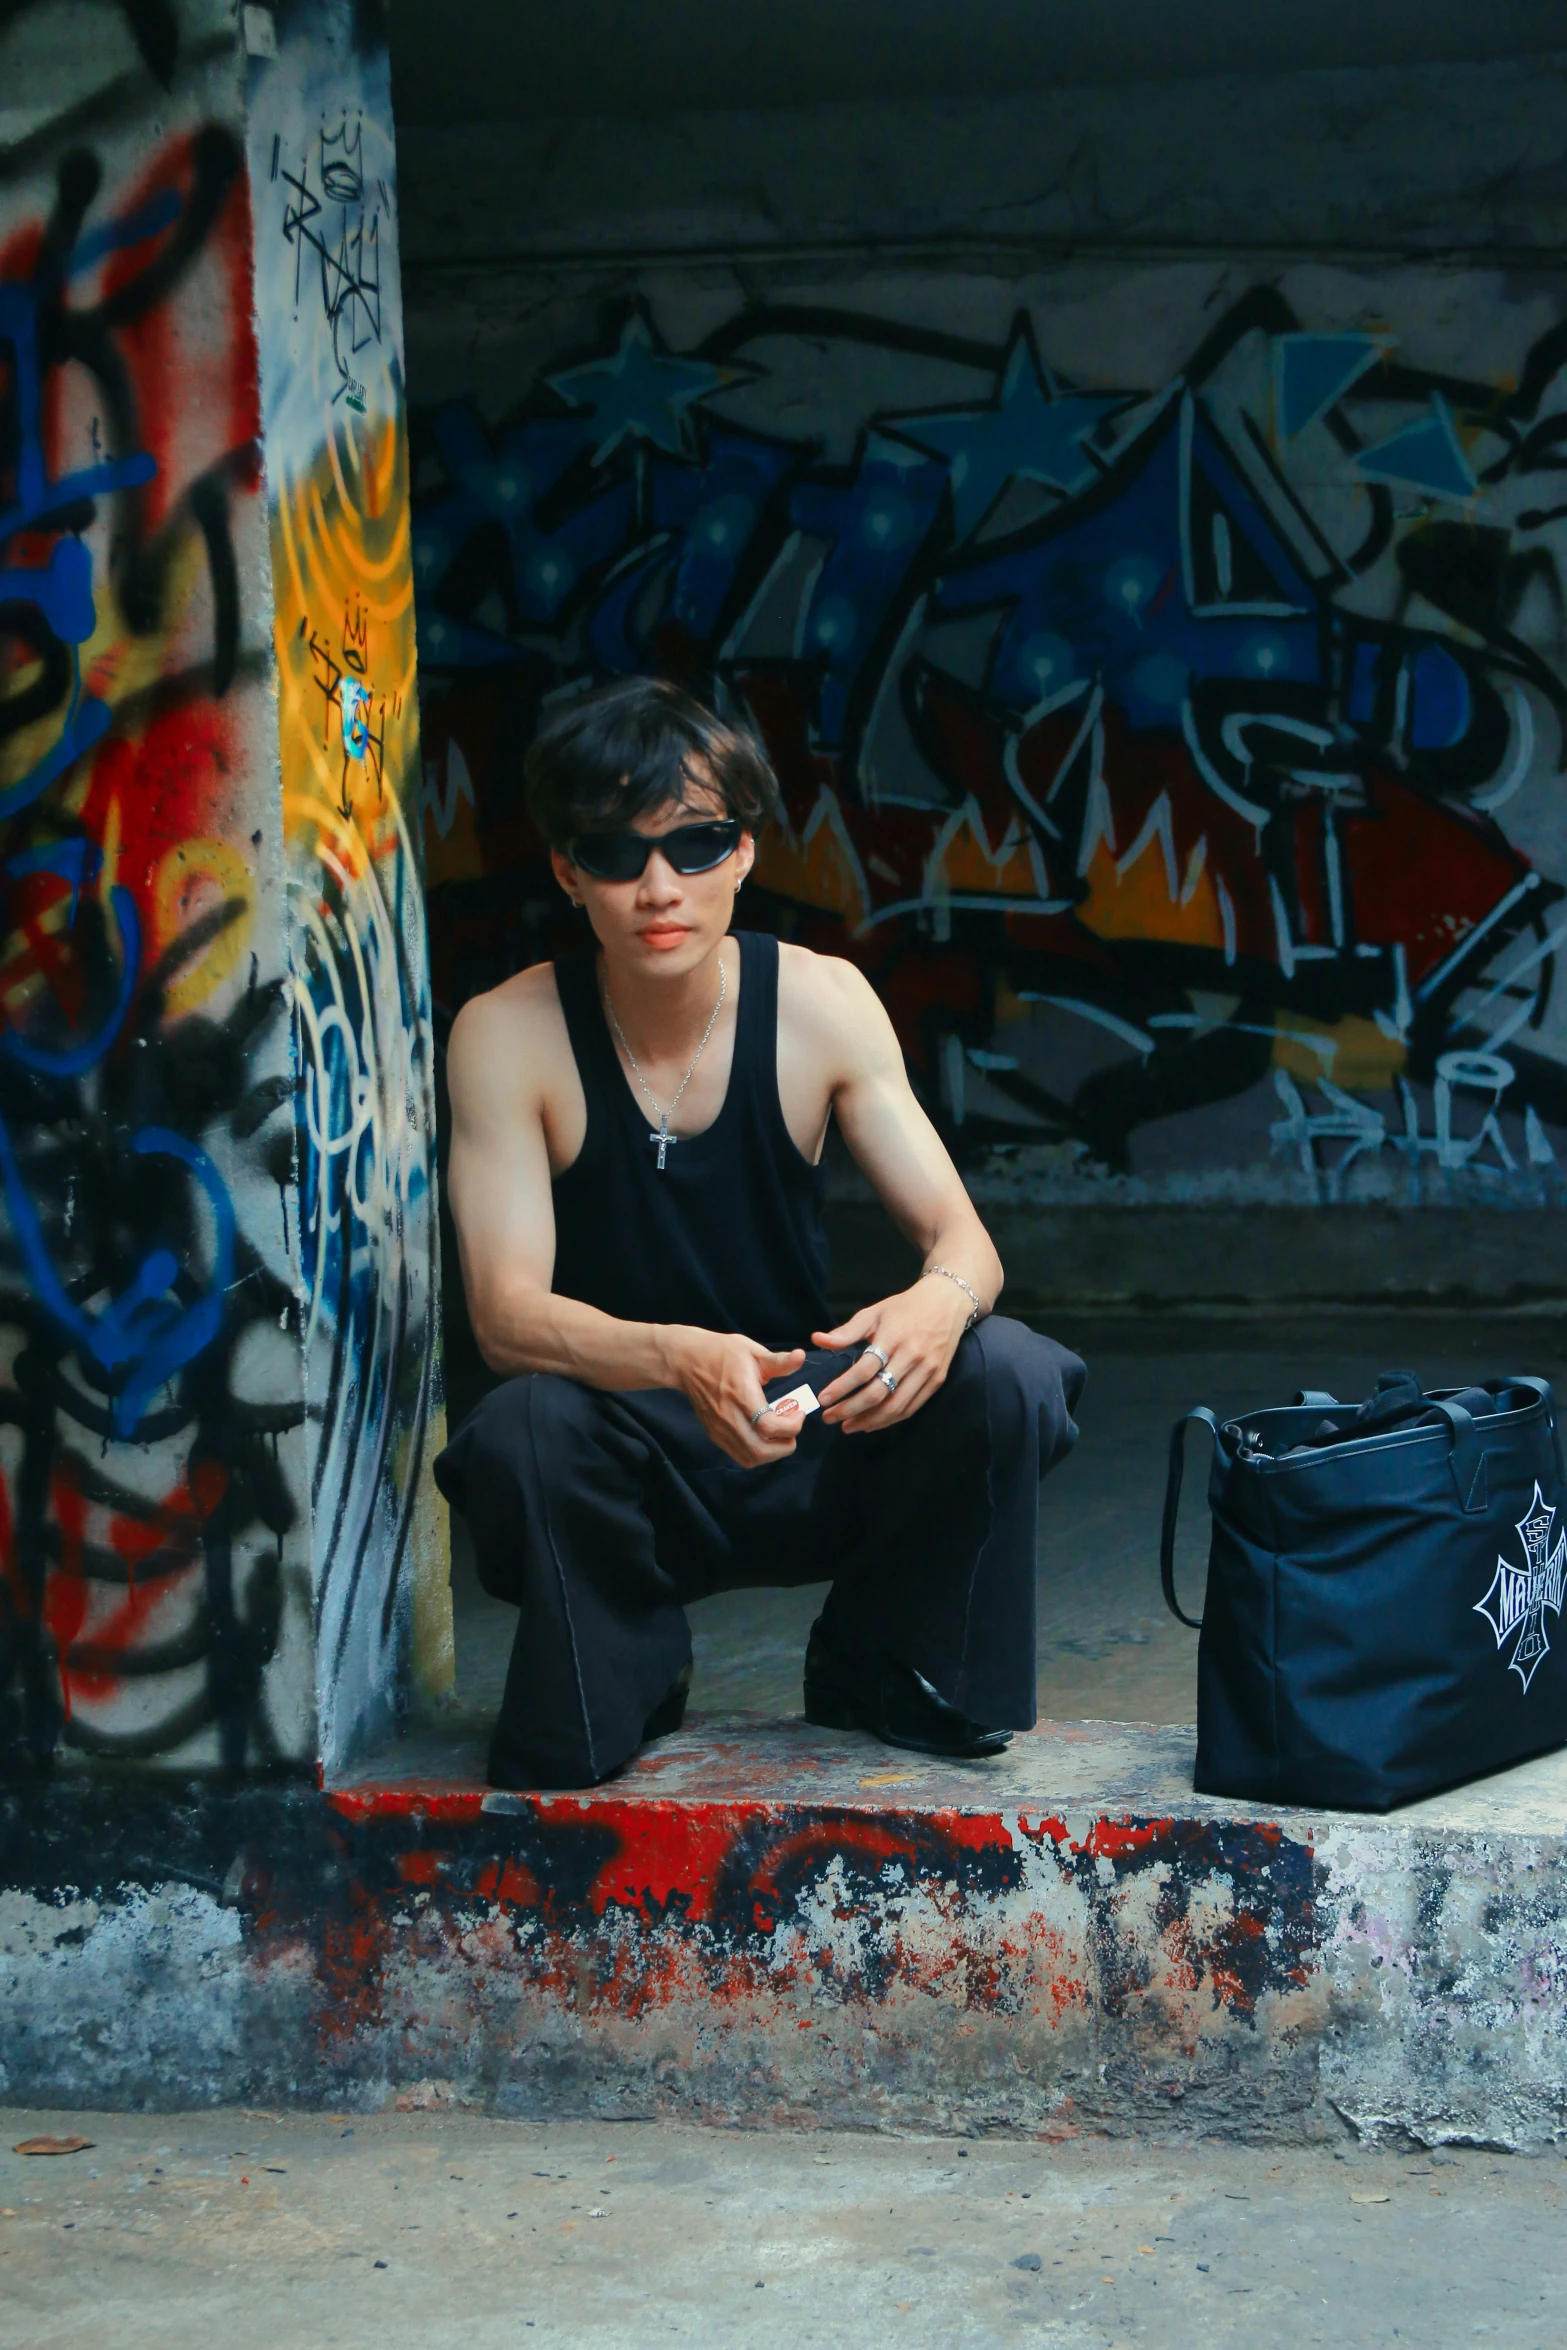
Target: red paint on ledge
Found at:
1119, 1839
664, 1852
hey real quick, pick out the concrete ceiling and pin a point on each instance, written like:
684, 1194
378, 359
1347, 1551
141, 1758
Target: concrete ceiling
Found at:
456, 61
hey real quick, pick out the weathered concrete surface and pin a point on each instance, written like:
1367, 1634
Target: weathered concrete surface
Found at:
448, 2230
1400, 159
1293, 1258
762, 1924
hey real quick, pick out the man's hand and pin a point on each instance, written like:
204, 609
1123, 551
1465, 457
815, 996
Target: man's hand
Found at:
722, 1374
918, 1332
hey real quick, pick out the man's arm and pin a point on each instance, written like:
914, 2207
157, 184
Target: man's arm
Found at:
897, 1147
498, 1185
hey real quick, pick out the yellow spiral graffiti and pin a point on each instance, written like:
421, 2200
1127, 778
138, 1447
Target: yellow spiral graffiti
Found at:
343, 617
348, 728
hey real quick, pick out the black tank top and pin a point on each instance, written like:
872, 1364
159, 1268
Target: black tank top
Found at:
729, 1236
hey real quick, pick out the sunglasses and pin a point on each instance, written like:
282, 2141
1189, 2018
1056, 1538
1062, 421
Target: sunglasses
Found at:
689, 848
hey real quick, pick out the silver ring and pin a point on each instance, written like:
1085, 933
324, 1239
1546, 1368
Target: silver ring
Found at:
887, 1380
873, 1349
761, 1415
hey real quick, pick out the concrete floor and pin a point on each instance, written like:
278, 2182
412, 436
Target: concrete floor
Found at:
423, 2231
1107, 1649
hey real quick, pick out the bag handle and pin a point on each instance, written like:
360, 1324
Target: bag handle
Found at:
1465, 1456
1172, 1506
1543, 1389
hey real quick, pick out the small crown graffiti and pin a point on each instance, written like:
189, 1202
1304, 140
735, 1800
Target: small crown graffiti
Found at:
1519, 1596
356, 638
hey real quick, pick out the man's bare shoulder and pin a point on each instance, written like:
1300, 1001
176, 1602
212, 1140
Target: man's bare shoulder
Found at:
517, 1026
829, 983
529, 999
831, 1004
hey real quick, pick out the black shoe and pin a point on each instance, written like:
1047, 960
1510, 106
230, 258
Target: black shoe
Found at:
670, 1711
892, 1701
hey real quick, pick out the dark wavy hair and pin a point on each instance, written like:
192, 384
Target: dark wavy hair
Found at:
633, 747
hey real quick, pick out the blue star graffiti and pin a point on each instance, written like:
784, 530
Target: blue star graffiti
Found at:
1149, 742
1034, 430
641, 396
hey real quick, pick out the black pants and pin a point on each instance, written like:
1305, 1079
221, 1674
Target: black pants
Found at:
598, 1515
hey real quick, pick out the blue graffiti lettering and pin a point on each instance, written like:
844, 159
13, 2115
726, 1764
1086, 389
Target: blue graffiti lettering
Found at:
60, 591
145, 1330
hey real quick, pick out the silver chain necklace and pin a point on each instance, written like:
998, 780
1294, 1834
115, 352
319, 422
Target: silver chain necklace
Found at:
662, 1135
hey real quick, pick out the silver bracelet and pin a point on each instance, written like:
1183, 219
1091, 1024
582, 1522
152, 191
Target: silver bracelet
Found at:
965, 1286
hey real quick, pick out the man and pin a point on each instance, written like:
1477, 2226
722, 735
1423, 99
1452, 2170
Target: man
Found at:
635, 1175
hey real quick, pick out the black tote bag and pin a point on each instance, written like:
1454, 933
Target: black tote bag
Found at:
1385, 1583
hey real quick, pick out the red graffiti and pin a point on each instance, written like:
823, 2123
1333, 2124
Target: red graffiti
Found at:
93, 1624
1116, 1839
187, 436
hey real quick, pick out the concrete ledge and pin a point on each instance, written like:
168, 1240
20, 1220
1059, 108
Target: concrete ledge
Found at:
1241, 1257
760, 1924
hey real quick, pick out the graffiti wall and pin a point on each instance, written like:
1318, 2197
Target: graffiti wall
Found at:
155, 1588
217, 1298
1166, 670
323, 171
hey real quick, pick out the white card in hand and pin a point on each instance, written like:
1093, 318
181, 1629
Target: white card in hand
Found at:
798, 1400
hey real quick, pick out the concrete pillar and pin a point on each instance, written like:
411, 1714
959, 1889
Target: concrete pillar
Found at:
219, 1365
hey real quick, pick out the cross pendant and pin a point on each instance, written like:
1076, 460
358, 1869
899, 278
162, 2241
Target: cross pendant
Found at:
663, 1138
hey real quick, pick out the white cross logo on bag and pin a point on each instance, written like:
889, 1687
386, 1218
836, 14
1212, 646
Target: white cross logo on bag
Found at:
1519, 1596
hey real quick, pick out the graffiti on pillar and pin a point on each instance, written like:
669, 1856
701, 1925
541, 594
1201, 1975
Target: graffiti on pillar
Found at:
333, 228
322, 160
1182, 756
151, 1583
